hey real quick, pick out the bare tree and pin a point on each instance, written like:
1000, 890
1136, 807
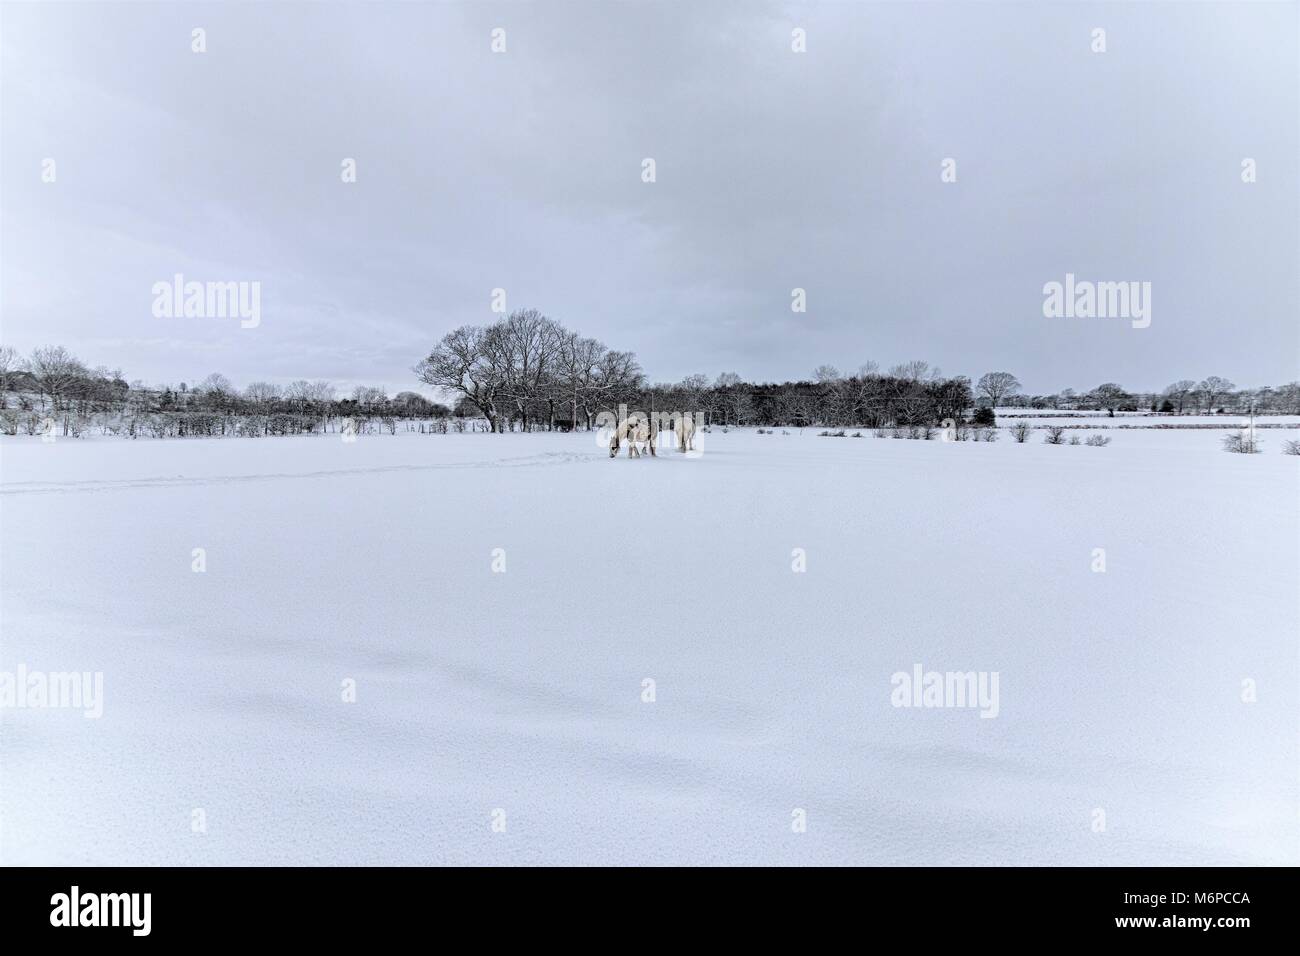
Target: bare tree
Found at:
531, 344
825, 374
470, 362
262, 393
578, 360
1214, 388
1109, 396
693, 389
369, 399
322, 391
915, 371
55, 371
1178, 392
997, 385
733, 401
298, 394
217, 384
10, 365
618, 378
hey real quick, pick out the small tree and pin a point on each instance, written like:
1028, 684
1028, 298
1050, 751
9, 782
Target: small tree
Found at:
1110, 397
1020, 432
996, 385
1241, 442
1214, 389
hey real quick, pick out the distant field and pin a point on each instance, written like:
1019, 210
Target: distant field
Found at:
1046, 416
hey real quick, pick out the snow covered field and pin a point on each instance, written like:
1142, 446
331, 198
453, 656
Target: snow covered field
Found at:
521, 691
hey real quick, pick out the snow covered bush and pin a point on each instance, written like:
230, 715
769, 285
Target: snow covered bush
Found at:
1240, 443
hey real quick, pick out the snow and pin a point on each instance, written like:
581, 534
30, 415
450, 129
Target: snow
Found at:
521, 691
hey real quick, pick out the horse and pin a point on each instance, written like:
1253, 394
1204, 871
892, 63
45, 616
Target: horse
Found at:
685, 430
638, 433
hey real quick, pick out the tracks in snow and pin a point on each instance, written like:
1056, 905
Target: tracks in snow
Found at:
544, 459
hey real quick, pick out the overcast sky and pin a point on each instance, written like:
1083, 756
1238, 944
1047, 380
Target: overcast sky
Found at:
775, 170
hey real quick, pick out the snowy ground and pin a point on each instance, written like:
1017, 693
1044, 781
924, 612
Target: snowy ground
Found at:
522, 691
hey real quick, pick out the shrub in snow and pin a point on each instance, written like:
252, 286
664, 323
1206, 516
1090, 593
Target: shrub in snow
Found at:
1241, 444
1055, 435
1098, 441
1074, 439
1291, 447
983, 416
1020, 432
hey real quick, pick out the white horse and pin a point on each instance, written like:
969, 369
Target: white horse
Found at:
639, 434
685, 430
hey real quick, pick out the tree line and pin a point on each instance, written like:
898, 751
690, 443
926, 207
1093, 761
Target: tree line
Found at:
528, 372
53, 386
